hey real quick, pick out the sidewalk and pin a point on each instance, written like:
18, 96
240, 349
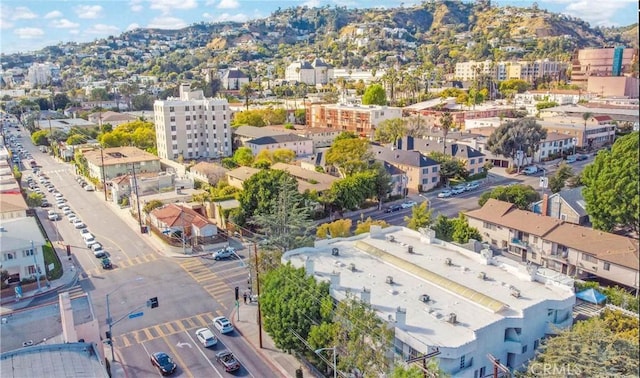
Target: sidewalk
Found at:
282, 364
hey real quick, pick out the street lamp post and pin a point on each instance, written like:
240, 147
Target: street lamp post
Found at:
335, 365
35, 261
110, 321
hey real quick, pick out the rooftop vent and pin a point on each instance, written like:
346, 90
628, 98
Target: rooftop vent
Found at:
410, 249
425, 298
482, 275
390, 238
452, 318
389, 280
335, 252
447, 261
515, 292
352, 267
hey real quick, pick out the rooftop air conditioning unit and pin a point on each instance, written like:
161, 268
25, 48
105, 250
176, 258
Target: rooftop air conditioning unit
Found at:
482, 275
515, 293
390, 238
352, 267
447, 261
453, 318
335, 252
410, 249
389, 280
424, 298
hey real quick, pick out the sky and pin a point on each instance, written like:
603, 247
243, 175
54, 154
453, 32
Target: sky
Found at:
29, 25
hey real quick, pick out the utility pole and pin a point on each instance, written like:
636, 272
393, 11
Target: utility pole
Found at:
104, 174
135, 183
35, 261
255, 250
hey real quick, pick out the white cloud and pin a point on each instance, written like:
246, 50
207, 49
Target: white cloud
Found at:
239, 17
133, 26
52, 15
596, 12
136, 5
5, 23
167, 22
64, 24
88, 11
228, 4
103, 29
22, 13
166, 6
28, 33
311, 3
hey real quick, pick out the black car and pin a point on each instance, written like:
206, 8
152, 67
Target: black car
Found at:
392, 208
163, 362
45, 204
106, 263
581, 157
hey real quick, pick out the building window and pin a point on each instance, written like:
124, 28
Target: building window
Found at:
173, 128
607, 266
174, 137
171, 109
536, 344
188, 118
489, 226
186, 108
27, 253
524, 349
434, 169
31, 269
588, 257
462, 362
173, 119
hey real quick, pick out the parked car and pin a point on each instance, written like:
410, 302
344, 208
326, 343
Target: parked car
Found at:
53, 216
163, 362
106, 263
458, 189
223, 253
78, 224
206, 337
227, 360
530, 170
472, 186
85, 231
581, 157
445, 194
45, 204
408, 204
223, 324
89, 242
392, 208
98, 251
89, 188
571, 159
72, 217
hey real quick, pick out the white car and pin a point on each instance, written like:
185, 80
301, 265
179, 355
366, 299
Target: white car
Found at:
408, 204
445, 194
72, 217
58, 195
60, 205
90, 242
223, 324
53, 216
89, 188
84, 231
66, 210
98, 251
472, 186
77, 223
206, 337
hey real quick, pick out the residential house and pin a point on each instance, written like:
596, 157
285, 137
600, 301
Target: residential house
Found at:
616, 112
112, 118
307, 180
555, 244
555, 145
109, 163
21, 242
233, 79
472, 158
322, 137
236, 177
300, 145
422, 172
173, 218
210, 173
600, 131
567, 205
12, 205
359, 119
243, 134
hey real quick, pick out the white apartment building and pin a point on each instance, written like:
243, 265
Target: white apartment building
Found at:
438, 296
504, 70
192, 126
21, 248
42, 73
317, 72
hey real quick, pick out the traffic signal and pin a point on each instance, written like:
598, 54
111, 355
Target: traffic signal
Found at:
108, 335
237, 293
153, 302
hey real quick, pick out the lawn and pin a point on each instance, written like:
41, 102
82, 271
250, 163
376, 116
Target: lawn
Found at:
50, 257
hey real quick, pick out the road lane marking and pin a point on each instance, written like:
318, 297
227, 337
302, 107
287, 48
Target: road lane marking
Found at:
148, 333
183, 366
169, 327
203, 355
202, 319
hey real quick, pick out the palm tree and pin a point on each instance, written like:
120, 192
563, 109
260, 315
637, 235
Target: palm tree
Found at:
246, 91
585, 116
446, 122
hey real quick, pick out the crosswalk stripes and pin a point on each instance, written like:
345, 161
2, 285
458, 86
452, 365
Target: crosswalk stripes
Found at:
75, 292
165, 329
119, 264
210, 281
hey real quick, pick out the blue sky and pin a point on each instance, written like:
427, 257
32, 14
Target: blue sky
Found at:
27, 25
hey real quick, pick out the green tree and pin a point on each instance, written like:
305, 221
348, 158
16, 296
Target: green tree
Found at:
246, 91
99, 94
444, 228
421, 217
40, 138
292, 302
592, 348
258, 194
450, 167
349, 155
351, 191
374, 95
558, 180
243, 156
520, 195
248, 117
76, 139
34, 199
142, 102
446, 123
60, 101
517, 85
585, 117
151, 205
345, 135
288, 225
391, 130
611, 187
523, 134
283, 155
462, 232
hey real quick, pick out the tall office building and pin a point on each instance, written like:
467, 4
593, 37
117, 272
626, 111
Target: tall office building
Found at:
606, 62
192, 126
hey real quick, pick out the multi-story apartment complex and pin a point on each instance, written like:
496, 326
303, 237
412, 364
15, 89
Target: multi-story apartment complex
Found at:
42, 73
317, 72
597, 131
359, 119
472, 158
612, 61
504, 70
435, 296
192, 126
567, 248
421, 172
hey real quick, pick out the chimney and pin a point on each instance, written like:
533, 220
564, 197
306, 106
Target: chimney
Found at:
365, 295
335, 279
185, 88
401, 317
309, 267
545, 204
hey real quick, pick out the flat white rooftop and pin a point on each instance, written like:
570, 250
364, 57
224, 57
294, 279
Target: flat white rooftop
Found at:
449, 276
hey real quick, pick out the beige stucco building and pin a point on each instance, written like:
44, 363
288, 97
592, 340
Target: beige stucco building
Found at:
118, 161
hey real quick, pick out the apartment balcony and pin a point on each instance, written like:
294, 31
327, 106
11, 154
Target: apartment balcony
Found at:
520, 243
553, 328
513, 346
